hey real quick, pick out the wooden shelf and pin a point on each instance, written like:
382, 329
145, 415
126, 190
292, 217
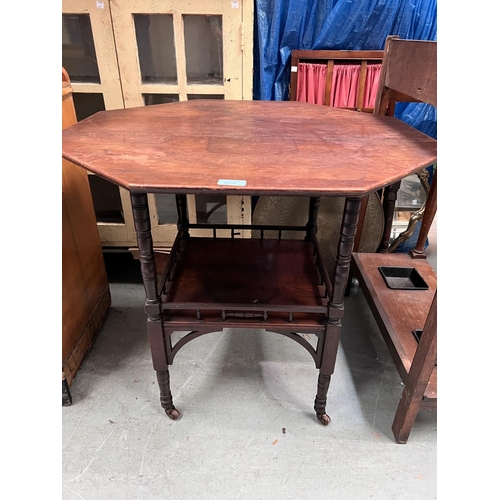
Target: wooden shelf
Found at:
277, 322
398, 312
245, 278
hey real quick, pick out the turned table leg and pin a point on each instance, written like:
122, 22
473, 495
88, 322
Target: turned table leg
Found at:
152, 306
428, 217
336, 305
312, 221
389, 203
182, 214
357, 240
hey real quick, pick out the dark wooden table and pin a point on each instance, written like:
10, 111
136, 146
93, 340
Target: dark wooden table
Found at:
246, 148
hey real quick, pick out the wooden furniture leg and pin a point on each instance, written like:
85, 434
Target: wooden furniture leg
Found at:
428, 217
357, 239
418, 378
152, 306
182, 214
415, 217
336, 305
67, 400
390, 196
361, 219
312, 222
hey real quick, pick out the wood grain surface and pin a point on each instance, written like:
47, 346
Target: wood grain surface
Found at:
276, 147
250, 272
397, 312
85, 289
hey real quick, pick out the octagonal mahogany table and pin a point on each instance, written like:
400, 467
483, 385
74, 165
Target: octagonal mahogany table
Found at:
246, 148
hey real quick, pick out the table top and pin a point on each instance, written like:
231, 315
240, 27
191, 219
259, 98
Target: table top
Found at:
247, 147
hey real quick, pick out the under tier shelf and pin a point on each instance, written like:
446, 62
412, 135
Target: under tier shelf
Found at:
236, 281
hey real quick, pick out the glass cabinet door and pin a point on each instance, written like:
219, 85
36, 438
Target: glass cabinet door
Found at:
89, 57
131, 53
182, 48
170, 51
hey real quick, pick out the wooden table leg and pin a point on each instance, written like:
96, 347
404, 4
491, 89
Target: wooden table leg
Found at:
336, 305
357, 240
389, 203
312, 221
152, 307
182, 214
428, 217
418, 377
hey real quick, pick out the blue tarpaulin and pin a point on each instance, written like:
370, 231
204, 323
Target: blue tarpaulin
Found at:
284, 25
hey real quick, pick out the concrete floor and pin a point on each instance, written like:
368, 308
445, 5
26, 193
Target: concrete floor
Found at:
248, 429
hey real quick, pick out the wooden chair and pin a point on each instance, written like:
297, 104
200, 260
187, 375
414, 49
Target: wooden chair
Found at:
330, 58
398, 314
408, 74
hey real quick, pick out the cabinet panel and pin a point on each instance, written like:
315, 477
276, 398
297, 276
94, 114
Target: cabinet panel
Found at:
150, 52
89, 50
85, 289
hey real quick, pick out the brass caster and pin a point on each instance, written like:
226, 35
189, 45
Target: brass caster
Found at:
324, 418
173, 413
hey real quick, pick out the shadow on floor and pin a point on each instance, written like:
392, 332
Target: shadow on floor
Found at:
122, 267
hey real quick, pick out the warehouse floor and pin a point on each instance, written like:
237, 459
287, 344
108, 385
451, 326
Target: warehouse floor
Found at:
247, 428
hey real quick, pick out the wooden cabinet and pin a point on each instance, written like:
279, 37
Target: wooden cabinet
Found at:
85, 289
147, 52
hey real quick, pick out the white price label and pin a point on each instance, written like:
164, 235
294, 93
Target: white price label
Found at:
231, 182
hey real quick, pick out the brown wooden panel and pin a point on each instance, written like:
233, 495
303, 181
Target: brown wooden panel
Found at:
397, 312
80, 212
368, 55
82, 221
302, 322
75, 304
77, 350
362, 85
188, 147
244, 271
418, 379
407, 58
328, 86
409, 71
85, 294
